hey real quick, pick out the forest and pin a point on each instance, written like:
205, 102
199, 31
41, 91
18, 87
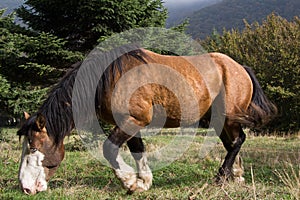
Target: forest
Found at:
59, 33
231, 13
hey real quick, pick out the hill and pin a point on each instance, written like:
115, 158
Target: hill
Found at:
181, 9
10, 5
230, 14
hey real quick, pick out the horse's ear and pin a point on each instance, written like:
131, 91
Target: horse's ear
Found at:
26, 115
40, 121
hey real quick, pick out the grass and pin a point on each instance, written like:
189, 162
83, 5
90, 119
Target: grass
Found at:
271, 172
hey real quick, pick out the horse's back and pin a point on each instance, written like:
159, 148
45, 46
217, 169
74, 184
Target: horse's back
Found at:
184, 86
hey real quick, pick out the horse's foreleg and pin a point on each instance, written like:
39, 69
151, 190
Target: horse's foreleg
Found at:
232, 137
137, 150
124, 172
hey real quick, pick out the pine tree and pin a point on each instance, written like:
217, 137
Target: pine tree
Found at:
83, 22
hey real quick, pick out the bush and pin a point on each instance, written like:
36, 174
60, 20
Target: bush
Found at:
272, 49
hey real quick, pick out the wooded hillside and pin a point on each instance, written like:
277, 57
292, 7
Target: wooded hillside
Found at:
231, 13
10, 5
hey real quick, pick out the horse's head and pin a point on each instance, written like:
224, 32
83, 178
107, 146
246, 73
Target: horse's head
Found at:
41, 156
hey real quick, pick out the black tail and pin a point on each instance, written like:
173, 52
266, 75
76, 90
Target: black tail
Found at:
261, 109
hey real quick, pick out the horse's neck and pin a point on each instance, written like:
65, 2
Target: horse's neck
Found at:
58, 115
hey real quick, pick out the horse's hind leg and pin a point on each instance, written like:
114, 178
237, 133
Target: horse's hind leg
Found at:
137, 150
232, 137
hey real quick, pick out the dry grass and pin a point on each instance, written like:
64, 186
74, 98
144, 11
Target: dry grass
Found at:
271, 164
290, 176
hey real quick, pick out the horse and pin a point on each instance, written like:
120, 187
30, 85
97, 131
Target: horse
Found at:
216, 77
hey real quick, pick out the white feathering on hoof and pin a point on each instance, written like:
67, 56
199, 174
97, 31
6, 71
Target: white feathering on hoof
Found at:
129, 178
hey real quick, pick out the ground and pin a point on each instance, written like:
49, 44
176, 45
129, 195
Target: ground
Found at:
271, 172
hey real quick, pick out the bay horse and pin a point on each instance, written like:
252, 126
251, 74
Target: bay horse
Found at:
236, 86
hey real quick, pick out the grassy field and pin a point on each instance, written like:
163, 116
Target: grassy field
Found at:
271, 172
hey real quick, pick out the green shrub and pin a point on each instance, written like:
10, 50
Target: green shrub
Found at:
272, 49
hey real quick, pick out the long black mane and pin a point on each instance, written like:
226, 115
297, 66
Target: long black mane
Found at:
57, 108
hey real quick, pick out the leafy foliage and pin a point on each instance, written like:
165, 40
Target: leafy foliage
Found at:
83, 22
29, 63
160, 40
272, 49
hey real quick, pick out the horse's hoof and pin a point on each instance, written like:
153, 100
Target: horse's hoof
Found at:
239, 180
220, 180
130, 192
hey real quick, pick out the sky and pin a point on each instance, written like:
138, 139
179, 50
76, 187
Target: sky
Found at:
182, 1
174, 2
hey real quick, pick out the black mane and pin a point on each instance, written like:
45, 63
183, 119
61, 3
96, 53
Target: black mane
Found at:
57, 108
